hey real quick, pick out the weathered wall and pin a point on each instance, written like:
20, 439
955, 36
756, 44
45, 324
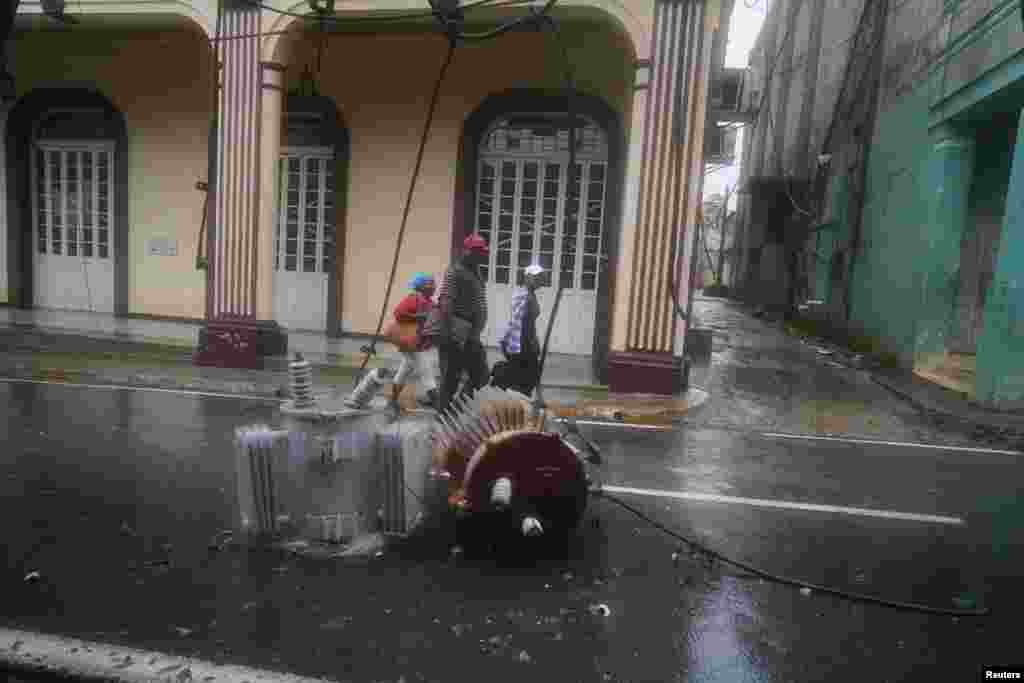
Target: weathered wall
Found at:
983, 33
384, 108
980, 243
885, 284
167, 111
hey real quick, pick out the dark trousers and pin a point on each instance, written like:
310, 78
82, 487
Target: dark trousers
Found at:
522, 372
471, 358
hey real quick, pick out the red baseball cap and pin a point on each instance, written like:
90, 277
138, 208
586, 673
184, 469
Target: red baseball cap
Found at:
475, 243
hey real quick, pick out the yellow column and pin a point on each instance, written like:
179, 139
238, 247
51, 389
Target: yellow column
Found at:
694, 172
666, 128
624, 276
272, 91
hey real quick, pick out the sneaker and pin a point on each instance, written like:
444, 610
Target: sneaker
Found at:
430, 400
394, 406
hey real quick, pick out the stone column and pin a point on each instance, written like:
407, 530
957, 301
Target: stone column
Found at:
951, 168
238, 328
1000, 359
666, 124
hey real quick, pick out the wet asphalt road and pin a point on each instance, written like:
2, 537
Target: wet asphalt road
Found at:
113, 497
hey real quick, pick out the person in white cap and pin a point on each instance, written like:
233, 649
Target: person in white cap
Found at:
520, 342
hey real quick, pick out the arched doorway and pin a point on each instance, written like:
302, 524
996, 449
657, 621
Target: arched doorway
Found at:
516, 195
309, 234
67, 202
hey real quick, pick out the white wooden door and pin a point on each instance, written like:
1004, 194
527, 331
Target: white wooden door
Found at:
304, 238
73, 225
521, 207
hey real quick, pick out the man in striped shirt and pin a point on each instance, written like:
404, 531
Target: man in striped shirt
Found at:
463, 318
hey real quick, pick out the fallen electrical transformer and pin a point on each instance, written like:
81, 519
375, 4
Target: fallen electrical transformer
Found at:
505, 471
336, 476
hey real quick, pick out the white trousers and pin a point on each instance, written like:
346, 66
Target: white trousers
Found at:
417, 365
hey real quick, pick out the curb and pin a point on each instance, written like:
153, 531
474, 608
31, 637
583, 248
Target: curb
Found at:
631, 410
940, 409
31, 652
614, 410
1003, 423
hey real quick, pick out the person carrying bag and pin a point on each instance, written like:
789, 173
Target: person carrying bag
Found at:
520, 343
406, 331
461, 320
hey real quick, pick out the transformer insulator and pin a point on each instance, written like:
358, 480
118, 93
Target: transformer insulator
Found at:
368, 388
501, 494
532, 527
301, 373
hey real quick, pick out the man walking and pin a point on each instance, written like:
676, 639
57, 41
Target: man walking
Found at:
462, 319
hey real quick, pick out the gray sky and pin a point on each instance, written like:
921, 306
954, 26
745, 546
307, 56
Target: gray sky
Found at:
747, 16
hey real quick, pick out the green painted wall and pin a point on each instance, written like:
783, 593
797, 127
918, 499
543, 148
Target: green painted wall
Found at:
1001, 346
886, 271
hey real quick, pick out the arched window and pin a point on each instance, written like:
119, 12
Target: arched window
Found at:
305, 239
522, 203
73, 209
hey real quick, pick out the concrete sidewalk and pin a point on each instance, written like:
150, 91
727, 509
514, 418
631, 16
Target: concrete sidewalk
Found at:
943, 405
87, 349
35, 329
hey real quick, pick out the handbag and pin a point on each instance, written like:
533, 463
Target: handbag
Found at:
401, 333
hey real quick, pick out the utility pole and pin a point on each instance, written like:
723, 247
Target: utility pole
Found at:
723, 215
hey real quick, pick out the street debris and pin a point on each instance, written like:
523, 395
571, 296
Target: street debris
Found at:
457, 550
524, 657
805, 591
32, 577
221, 541
964, 602
183, 632
601, 610
567, 576
127, 530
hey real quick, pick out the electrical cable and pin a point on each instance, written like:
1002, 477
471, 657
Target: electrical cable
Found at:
510, 25
371, 349
453, 37
570, 87
775, 578
343, 21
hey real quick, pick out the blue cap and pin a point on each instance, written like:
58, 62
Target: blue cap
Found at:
419, 280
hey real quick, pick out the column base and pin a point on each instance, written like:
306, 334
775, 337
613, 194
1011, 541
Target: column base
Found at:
239, 343
639, 372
